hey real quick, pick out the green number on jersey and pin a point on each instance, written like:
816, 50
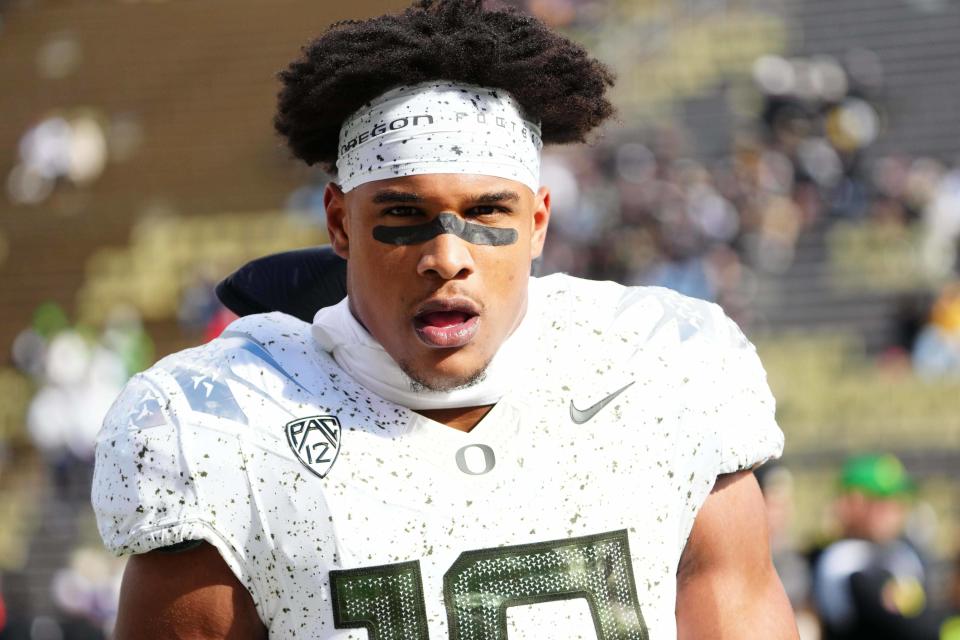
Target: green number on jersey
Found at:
481, 584
387, 601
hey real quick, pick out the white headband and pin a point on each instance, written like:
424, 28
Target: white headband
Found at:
439, 127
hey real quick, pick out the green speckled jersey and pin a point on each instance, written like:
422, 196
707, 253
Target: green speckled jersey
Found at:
561, 515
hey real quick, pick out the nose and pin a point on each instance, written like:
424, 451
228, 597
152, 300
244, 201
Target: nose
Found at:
447, 257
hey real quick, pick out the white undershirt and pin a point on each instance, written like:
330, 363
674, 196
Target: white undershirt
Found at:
365, 360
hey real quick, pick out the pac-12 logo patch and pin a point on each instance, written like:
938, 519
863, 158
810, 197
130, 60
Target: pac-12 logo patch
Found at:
315, 441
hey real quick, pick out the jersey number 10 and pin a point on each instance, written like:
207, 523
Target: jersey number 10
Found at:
388, 600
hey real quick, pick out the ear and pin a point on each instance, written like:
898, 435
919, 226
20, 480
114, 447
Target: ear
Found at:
338, 227
541, 219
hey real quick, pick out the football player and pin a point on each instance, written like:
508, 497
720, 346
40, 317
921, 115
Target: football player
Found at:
456, 449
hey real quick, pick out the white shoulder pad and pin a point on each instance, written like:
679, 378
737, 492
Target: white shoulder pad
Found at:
723, 379
665, 315
162, 477
623, 317
143, 493
170, 447
736, 397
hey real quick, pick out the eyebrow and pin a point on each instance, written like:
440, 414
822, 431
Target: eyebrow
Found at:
392, 195
496, 196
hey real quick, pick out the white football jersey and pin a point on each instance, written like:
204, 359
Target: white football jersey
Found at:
561, 515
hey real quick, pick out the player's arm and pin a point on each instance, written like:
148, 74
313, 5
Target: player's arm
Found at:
187, 595
726, 584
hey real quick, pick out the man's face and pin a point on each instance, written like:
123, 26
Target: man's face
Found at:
877, 519
440, 296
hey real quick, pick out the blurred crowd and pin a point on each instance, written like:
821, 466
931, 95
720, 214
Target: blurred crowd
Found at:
67, 148
76, 373
644, 207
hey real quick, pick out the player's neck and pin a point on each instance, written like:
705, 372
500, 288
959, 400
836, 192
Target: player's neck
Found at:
461, 418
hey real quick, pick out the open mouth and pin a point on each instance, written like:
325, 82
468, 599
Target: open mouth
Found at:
447, 323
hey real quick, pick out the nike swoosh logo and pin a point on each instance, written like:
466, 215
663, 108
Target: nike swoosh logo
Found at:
580, 417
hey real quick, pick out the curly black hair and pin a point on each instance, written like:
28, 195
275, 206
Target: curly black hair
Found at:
354, 61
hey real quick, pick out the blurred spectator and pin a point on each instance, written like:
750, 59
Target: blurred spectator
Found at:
871, 583
942, 227
220, 321
29, 347
123, 334
776, 483
86, 593
198, 303
77, 377
68, 147
936, 350
308, 198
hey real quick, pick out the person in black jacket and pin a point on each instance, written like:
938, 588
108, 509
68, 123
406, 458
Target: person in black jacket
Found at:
871, 583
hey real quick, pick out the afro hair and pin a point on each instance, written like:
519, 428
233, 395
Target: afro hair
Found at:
354, 61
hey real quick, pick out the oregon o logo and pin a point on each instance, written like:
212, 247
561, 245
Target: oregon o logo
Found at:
476, 459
